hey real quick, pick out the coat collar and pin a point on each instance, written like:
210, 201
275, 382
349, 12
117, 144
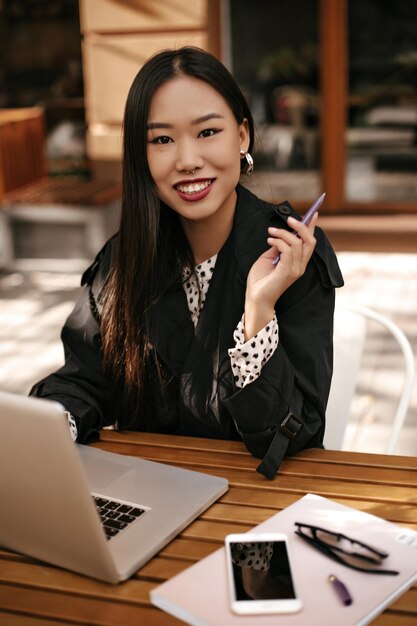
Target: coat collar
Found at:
252, 218
250, 228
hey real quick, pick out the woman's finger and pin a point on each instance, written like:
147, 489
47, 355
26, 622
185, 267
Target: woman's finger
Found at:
303, 230
285, 235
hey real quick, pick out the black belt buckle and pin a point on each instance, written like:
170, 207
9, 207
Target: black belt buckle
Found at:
291, 426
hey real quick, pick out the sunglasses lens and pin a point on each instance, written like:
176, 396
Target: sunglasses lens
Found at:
348, 550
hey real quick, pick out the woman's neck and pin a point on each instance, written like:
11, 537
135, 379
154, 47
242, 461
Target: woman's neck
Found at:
207, 237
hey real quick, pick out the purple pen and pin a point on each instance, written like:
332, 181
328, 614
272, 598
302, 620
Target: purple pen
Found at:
305, 220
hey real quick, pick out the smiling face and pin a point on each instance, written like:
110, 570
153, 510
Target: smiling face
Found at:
193, 150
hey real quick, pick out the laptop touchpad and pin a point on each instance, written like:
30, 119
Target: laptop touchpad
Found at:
99, 470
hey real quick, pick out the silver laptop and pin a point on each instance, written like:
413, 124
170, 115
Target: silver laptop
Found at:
94, 512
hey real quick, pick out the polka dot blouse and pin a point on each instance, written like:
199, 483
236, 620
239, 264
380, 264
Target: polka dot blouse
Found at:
72, 426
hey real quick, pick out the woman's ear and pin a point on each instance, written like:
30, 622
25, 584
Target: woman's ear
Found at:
244, 135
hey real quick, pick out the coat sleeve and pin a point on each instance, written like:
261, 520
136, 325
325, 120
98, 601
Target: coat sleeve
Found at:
283, 410
80, 385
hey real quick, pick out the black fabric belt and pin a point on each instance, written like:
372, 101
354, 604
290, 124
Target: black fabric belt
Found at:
288, 429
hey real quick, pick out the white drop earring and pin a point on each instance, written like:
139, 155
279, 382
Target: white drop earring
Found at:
249, 162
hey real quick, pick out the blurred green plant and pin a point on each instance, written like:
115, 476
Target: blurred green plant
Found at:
290, 65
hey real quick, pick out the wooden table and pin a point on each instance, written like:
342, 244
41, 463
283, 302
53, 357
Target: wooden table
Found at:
32, 593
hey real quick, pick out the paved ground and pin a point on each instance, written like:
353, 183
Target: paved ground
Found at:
34, 305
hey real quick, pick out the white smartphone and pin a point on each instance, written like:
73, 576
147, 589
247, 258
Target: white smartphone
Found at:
260, 574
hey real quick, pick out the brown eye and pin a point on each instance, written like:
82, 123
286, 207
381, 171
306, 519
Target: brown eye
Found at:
209, 132
162, 140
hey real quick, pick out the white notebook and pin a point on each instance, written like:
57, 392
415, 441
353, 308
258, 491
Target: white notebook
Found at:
199, 595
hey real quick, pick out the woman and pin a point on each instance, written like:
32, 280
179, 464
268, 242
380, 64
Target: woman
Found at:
185, 325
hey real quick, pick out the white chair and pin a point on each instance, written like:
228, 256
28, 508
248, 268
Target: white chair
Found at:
350, 331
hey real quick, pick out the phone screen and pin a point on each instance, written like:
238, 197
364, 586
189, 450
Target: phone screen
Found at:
261, 571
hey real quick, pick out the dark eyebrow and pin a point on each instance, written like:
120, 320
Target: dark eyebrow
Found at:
205, 118
152, 125
199, 120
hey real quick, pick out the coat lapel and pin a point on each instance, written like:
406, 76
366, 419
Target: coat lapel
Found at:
170, 329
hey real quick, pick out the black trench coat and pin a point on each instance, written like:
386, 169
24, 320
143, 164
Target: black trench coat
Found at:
280, 413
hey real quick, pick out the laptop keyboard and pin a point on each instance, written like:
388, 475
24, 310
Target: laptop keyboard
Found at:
116, 516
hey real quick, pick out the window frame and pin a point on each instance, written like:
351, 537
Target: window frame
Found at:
333, 85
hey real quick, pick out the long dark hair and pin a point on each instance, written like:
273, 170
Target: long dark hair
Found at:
151, 246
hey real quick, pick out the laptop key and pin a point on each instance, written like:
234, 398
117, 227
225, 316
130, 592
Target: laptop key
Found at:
110, 532
102, 510
100, 501
112, 505
124, 508
114, 523
136, 512
127, 518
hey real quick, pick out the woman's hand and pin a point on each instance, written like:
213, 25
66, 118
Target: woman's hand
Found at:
267, 282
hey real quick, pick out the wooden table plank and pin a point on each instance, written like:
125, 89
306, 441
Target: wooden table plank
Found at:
188, 550
47, 605
160, 569
213, 531
407, 603
38, 576
401, 513
255, 515
10, 619
393, 619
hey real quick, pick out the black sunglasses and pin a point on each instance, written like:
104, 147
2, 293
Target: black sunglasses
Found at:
328, 542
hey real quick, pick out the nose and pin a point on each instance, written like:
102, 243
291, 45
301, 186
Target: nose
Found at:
188, 157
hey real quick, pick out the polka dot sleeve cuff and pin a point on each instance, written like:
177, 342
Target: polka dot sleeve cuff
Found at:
247, 358
72, 426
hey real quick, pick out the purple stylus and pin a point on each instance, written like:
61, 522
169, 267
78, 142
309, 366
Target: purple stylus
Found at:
305, 220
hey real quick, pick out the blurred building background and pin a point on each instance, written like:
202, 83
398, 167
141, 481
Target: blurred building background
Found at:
332, 85
333, 88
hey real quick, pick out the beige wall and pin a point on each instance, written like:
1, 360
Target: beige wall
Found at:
118, 36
